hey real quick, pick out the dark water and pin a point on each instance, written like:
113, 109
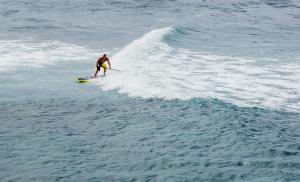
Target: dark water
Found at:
208, 91
116, 138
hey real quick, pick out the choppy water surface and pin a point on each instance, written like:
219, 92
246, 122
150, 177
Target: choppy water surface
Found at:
208, 91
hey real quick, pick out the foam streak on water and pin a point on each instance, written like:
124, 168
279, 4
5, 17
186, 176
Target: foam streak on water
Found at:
18, 54
154, 69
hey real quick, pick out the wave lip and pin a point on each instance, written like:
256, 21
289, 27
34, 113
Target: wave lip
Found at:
153, 69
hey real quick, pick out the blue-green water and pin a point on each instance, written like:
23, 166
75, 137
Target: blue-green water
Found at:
208, 91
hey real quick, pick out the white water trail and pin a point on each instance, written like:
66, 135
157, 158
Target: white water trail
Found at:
18, 54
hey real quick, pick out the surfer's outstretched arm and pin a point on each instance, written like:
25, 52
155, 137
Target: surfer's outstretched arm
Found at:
108, 63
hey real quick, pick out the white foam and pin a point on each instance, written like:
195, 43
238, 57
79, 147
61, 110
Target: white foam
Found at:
153, 69
17, 54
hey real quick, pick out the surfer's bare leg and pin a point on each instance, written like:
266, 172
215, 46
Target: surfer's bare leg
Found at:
97, 70
105, 71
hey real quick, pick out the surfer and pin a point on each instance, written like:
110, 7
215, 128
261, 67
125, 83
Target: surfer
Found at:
101, 63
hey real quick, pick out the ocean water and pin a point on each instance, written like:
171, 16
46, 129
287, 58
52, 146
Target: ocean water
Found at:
207, 90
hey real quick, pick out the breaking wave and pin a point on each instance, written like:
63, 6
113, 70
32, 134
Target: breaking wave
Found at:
152, 68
